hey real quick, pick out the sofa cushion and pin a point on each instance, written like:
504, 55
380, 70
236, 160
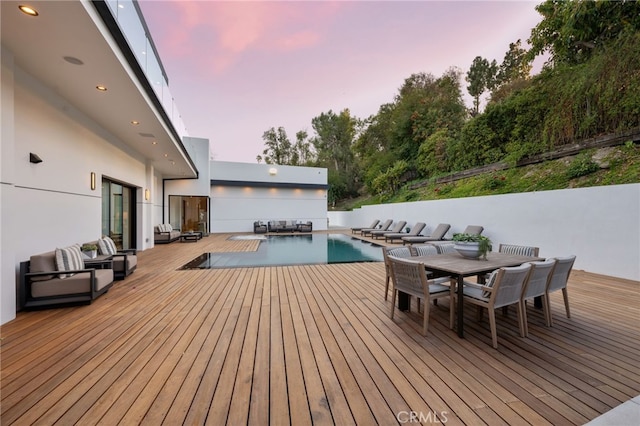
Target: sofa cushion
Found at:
104, 277
118, 262
69, 259
78, 283
43, 262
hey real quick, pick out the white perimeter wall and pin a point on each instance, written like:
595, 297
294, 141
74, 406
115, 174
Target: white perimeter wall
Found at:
600, 225
235, 208
51, 204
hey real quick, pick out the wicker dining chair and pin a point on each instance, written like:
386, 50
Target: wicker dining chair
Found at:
410, 277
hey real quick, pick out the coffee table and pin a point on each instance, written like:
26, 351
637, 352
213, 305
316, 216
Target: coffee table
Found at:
190, 236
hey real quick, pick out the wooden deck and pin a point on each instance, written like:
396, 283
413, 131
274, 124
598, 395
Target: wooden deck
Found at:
310, 345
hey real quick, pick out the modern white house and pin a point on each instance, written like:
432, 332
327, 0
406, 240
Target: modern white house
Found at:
92, 143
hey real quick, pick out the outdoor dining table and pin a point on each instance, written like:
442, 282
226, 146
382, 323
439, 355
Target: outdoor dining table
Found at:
456, 266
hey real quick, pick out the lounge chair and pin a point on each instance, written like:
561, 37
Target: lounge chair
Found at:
372, 226
437, 235
396, 229
473, 230
385, 226
416, 230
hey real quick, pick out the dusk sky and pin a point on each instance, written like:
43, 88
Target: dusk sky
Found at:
238, 68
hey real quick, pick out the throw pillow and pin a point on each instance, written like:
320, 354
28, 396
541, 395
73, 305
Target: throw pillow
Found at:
106, 246
489, 283
69, 259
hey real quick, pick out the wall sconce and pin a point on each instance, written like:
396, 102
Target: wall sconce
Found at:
93, 181
273, 171
34, 158
147, 195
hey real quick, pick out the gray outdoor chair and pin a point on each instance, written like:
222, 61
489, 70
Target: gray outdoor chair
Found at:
437, 234
396, 229
396, 252
536, 286
558, 281
416, 230
504, 288
385, 226
372, 226
410, 277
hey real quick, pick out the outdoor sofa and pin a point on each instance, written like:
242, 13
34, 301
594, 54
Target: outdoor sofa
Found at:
125, 261
44, 282
164, 234
289, 226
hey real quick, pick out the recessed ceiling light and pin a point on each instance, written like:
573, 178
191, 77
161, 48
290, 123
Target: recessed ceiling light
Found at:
101, 88
28, 10
135, 122
166, 155
73, 60
154, 143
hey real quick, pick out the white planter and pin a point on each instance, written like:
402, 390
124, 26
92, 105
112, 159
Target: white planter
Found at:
91, 254
468, 249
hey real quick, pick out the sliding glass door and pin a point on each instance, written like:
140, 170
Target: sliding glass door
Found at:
189, 213
118, 213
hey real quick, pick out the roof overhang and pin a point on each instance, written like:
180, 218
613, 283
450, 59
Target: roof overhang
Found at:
78, 29
258, 184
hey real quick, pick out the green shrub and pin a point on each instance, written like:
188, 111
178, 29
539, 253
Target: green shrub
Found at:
582, 165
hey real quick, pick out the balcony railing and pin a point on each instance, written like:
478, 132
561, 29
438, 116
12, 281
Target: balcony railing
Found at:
134, 28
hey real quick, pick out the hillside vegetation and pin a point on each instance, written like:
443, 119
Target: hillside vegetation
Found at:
596, 167
589, 87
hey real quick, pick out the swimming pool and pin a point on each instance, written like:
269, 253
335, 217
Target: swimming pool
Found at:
281, 250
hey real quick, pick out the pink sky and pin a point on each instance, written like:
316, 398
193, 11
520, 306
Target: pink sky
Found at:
238, 68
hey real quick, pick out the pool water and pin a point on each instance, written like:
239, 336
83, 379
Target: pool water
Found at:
281, 250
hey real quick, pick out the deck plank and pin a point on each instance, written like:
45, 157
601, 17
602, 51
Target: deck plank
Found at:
310, 344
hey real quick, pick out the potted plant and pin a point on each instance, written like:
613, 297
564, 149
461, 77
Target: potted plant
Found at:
472, 245
407, 229
90, 250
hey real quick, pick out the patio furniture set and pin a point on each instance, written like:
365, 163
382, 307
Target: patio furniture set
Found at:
165, 234
260, 227
508, 277
67, 276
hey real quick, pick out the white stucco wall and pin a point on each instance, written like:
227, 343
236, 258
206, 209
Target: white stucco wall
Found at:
225, 170
600, 225
198, 149
51, 204
235, 208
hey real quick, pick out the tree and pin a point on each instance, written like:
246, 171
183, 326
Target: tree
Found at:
303, 153
278, 147
515, 66
571, 30
335, 134
481, 76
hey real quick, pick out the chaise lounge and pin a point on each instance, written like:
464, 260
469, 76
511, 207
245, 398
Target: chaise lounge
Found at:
384, 227
437, 235
415, 231
396, 230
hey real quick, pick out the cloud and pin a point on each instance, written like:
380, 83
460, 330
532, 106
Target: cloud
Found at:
216, 35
